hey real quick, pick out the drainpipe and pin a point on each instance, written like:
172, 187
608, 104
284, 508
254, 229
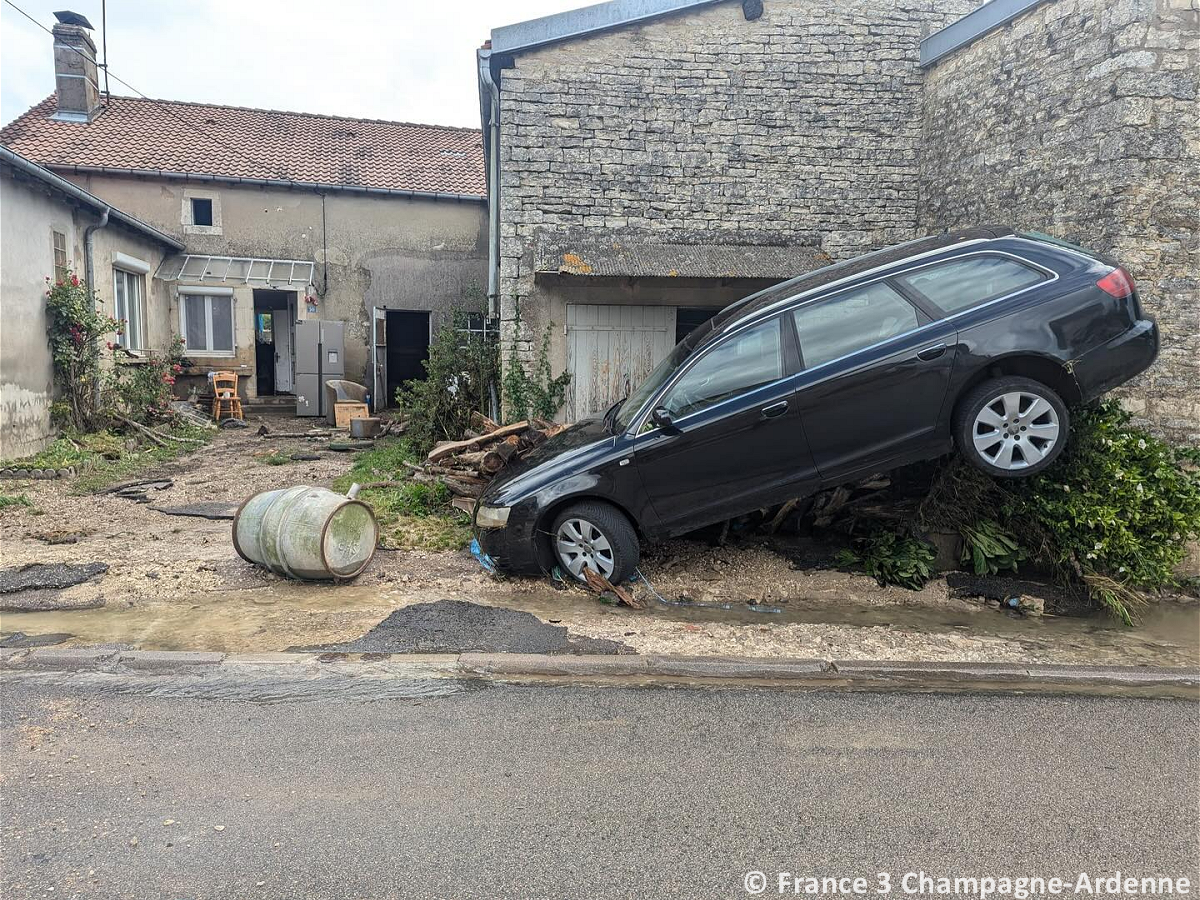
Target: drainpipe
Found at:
88, 265
493, 171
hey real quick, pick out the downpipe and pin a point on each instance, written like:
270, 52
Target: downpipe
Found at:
89, 265
493, 173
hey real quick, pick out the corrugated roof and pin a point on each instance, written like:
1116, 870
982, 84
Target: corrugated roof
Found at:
236, 142
571, 254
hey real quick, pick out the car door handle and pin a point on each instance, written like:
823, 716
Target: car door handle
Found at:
774, 410
932, 352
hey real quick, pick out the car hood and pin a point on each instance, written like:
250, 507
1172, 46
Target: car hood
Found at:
568, 452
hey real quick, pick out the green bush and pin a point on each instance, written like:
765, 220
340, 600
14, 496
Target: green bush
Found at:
143, 390
534, 395
1114, 513
74, 329
459, 373
892, 558
990, 548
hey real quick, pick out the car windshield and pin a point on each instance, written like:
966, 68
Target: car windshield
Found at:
661, 375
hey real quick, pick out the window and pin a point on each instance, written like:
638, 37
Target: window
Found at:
202, 212
207, 324
959, 285
128, 293
735, 366
62, 266
831, 329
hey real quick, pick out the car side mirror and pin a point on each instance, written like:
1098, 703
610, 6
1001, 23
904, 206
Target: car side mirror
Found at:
661, 417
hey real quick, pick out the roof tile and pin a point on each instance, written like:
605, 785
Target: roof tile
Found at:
236, 142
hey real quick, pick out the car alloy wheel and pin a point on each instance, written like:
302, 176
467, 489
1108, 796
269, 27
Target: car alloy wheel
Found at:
1015, 430
579, 543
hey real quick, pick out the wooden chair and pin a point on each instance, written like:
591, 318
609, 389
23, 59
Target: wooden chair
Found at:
225, 396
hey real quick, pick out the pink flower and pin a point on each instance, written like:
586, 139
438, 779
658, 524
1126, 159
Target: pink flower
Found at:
75, 281
177, 368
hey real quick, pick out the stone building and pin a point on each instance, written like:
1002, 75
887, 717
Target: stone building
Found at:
652, 160
49, 230
282, 216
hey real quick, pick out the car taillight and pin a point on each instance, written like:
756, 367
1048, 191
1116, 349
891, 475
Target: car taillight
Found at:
1117, 283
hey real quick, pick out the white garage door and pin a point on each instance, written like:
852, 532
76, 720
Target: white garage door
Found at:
610, 349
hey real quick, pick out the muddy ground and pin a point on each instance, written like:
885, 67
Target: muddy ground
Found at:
176, 583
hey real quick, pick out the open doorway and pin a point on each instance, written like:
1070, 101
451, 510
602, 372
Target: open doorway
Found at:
274, 322
401, 347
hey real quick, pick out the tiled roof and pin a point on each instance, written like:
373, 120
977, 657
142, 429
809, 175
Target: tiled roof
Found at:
235, 142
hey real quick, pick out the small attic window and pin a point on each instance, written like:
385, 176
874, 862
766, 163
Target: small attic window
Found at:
202, 211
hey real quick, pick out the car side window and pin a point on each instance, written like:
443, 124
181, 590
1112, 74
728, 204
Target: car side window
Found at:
833, 328
959, 285
735, 366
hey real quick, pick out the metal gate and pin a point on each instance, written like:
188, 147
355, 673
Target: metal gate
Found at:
610, 349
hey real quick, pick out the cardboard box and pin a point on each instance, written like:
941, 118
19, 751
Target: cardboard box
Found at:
344, 412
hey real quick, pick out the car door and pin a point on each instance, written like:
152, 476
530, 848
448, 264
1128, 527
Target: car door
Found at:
876, 372
735, 442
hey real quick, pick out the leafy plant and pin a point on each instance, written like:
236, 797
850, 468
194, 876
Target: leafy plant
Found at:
459, 373
7, 500
75, 330
143, 390
892, 558
1114, 513
536, 395
274, 458
990, 548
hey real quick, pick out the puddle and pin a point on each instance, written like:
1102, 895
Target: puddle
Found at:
296, 614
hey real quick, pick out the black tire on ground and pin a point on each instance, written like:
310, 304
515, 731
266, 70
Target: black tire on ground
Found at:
1021, 442
616, 529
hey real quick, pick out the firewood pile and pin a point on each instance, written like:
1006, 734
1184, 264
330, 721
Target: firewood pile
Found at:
466, 466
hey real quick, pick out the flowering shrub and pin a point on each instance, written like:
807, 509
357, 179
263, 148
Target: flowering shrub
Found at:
144, 391
75, 329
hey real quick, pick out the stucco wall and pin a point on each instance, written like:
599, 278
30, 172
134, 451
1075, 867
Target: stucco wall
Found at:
799, 128
26, 372
1081, 119
30, 215
381, 251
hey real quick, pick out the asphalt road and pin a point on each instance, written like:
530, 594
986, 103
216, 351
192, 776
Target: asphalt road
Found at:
583, 792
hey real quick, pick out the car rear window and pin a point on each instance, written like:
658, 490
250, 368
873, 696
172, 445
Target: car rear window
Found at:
833, 328
960, 284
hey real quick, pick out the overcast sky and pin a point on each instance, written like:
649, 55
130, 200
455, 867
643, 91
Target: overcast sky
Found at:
410, 60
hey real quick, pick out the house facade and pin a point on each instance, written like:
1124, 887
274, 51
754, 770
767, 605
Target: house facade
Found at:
51, 228
282, 217
652, 160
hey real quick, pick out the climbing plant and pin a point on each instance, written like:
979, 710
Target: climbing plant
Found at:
533, 392
75, 329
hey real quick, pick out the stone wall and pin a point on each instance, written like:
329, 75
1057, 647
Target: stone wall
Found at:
800, 127
1081, 119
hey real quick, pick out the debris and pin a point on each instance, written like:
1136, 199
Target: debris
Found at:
305, 457
466, 466
168, 822
48, 576
233, 423
22, 640
344, 446
213, 510
218, 828
456, 626
602, 586
150, 484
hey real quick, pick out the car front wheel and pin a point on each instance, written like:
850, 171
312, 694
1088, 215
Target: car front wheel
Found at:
597, 536
1011, 427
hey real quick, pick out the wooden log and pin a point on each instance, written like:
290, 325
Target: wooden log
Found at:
450, 448
497, 458
482, 423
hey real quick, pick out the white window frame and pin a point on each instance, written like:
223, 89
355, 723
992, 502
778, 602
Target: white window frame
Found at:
130, 270
208, 294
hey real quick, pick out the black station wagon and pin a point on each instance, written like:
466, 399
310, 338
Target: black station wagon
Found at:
980, 339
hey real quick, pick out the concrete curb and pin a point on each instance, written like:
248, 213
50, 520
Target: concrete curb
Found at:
814, 673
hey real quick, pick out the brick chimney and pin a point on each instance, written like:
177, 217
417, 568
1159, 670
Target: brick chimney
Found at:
75, 74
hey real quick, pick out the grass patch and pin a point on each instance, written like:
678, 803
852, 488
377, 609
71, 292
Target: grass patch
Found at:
11, 500
274, 458
412, 514
101, 458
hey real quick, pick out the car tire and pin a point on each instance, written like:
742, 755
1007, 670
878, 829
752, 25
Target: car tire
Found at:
602, 535
1011, 427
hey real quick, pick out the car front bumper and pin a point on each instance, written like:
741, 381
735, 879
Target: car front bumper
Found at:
512, 548
1117, 361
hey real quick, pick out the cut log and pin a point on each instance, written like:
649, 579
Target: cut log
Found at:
449, 448
482, 423
497, 458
